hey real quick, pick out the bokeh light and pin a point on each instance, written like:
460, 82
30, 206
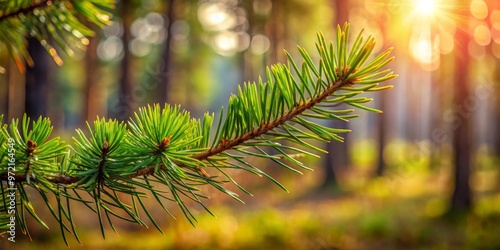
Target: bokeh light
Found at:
155, 21
479, 9
495, 35
225, 43
426, 48
495, 49
260, 44
180, 30
216, 17
226, 26
431, 25
139, 48
147, 31
115, 29
262, 7
243, 41
110, 48
446, 43
482, 35
422, 50
476, 51
495, 19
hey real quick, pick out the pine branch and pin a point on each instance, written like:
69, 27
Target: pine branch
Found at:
263, 129
167, 147
223, 146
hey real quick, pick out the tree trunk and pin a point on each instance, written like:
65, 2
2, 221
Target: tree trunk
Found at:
246, 65
121, 106
495, 5
91, 107
17, 93
497, 114
338, 157
382, 138
382, 126
342, 11
4, 89
461, 200
37, 80
277, 31
167, 54
496, 117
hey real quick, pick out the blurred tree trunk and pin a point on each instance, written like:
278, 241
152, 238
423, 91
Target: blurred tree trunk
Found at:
122, 105
166, 57
4, 87
413, 104
338, 158
245, 58
440, 81
38, 80
495, 5
382, 137
382, 126
92, 99
16, 92
497, 113
461, 199
277, 31
497, 116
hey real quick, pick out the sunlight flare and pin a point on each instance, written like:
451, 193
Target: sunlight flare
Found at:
425, 7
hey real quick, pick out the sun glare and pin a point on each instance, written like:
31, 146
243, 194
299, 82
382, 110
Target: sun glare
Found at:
425, 7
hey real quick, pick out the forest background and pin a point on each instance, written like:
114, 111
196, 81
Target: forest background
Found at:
406, 177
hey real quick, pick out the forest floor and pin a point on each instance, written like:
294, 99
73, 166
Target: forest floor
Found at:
405, 209
377, 216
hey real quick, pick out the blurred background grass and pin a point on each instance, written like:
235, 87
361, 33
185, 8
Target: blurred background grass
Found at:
405, 209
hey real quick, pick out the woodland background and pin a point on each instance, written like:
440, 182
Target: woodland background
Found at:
425, 173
